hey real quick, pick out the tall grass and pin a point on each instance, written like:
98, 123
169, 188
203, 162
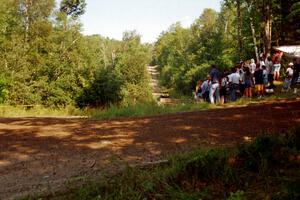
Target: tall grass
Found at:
38, 111
146, 109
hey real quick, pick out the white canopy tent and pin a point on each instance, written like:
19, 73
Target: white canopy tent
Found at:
290, 51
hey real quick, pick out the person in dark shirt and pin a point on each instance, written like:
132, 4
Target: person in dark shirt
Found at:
248, 83
259, 81
295, 77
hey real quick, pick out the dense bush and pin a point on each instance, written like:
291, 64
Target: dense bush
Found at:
3, 89
103, 90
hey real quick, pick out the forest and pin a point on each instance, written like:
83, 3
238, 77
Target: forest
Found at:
46, 60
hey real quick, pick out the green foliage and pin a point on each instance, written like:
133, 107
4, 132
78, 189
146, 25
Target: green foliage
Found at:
238, 195
3, 89
47, 61
73, 8
213, 39
103, 90
185, 55
266, 152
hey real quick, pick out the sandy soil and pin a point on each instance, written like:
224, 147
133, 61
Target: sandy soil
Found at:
45, 155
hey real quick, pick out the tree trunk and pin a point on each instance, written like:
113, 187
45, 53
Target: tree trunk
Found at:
239, 25
26, 8
254, 39
267, 27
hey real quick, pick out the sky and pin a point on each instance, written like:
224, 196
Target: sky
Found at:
110, 18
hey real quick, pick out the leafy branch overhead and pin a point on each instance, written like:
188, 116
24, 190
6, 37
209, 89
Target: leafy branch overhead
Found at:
73, 8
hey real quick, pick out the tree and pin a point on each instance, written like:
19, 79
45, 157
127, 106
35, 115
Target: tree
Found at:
131, 62
239, 25
267, 19
73, 8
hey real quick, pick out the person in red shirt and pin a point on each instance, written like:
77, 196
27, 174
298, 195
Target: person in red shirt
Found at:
277, 64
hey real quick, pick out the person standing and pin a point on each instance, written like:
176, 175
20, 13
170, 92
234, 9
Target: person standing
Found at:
259, 81
242, 79
265, 76
277, 64
205, 89
295, 77
214, 92
270, 71
198, 90
289, 75
248, 83
224, 87
252, 66
234, 82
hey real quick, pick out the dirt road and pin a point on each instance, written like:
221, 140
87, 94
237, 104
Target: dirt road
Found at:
43, 154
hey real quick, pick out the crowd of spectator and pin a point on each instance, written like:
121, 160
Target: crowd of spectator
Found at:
247, 79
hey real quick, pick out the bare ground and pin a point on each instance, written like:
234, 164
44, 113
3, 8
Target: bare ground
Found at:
43, 155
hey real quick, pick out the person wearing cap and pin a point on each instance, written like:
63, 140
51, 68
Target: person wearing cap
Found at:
289, 70
289, 74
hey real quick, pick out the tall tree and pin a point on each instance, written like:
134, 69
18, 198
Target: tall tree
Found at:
73, 8
267, 17
250, 10
239, 26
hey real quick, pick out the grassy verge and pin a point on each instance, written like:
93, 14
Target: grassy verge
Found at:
38, 111
182, 104
147, 109
267, 168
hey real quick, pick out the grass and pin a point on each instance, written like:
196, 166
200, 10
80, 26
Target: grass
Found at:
147, 109
182, 104
38, 111
267, 168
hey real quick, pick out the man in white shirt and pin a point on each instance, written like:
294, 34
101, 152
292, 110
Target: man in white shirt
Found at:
234, 81
252, 66
270, 70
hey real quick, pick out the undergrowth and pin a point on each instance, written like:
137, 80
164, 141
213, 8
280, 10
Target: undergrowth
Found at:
267, 168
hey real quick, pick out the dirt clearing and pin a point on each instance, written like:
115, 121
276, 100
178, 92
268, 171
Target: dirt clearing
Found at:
42, 155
